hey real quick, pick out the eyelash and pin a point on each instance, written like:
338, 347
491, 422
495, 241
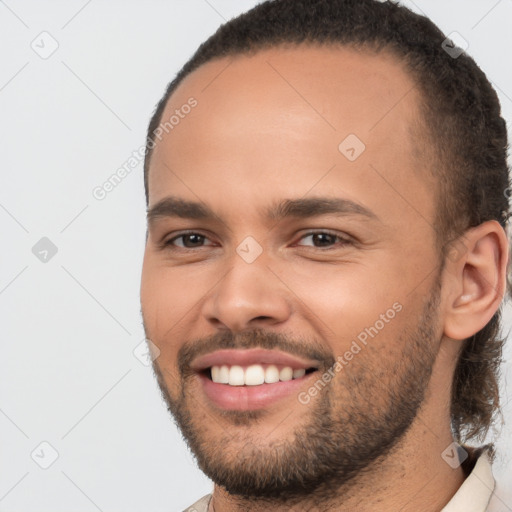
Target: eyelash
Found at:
169, 244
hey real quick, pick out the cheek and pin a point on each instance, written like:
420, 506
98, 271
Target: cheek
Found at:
167, 293
158, 303
351, 300
169, 298
150, 292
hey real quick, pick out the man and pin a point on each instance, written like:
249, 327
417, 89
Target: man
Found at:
325, 261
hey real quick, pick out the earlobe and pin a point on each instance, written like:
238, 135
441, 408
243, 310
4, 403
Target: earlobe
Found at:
477, 281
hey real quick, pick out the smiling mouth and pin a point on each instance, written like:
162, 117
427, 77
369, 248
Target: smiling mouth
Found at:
254, 374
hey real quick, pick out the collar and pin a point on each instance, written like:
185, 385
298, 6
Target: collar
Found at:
476, 491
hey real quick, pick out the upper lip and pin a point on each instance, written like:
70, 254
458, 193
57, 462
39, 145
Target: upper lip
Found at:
247, 357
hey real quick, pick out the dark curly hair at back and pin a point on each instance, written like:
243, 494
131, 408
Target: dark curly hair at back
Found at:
462, 134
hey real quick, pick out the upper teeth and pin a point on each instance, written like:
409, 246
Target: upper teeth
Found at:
253, 375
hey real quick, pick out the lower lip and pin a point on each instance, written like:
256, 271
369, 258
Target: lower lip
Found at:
249, 398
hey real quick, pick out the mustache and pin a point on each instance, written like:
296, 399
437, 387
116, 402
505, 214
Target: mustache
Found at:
256, 338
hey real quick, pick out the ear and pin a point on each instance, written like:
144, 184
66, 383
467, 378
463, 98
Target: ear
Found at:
476, 274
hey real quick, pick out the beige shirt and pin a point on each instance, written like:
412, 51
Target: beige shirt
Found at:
476, 494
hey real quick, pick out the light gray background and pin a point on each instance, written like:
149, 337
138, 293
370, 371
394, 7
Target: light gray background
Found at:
69, 326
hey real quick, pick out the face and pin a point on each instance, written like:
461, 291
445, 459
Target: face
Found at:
290, 275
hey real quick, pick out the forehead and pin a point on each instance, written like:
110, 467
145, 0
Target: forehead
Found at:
287, 115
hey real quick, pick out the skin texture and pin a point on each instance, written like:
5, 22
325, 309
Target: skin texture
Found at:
267, 128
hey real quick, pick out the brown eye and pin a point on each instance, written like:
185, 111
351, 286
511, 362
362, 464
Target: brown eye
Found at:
324, 239
188, 241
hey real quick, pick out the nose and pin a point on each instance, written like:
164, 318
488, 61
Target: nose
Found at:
249, 295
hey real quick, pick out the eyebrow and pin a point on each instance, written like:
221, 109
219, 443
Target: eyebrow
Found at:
295, 208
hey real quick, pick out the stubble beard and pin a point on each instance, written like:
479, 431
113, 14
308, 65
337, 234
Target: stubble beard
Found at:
355, 421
